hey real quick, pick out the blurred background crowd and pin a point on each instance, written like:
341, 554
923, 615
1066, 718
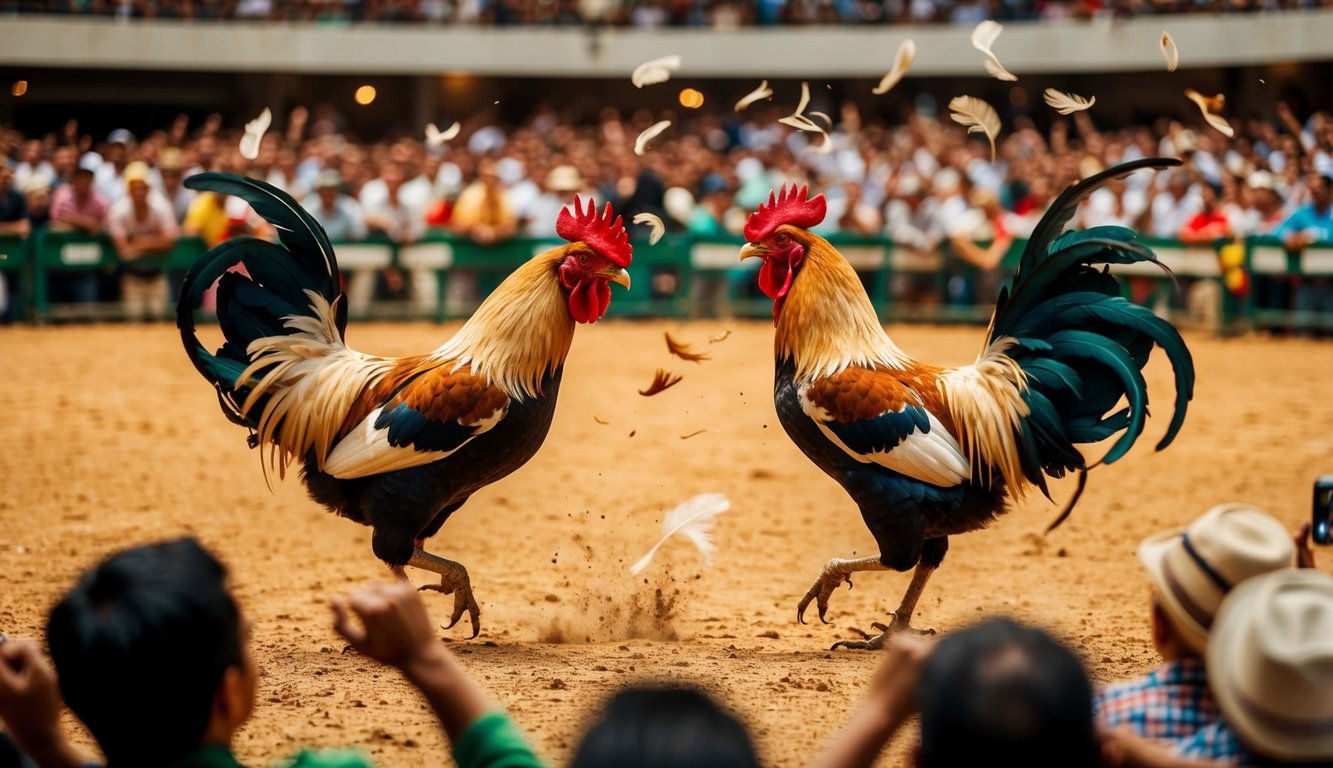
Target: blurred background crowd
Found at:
643, 13
922, 183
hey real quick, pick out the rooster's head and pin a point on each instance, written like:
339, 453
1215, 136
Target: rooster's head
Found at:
777, 233
598, 253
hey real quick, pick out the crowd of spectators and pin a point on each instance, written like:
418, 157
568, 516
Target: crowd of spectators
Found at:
921, 182
642, 13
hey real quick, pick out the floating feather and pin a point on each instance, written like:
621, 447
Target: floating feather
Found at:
762, 92
662, 381
1067, 103
682, 350
655, 71
1170, 52
600, 420
828, 120
693, 520
1206, 106
698, 432
901, 63
720, 337
641, 143
254, 134
983, 37
978, 116
654, 223
436, 137
805, 99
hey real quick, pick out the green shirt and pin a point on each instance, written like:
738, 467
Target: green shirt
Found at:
493, 741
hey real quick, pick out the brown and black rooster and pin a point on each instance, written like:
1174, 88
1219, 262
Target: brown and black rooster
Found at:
398, 444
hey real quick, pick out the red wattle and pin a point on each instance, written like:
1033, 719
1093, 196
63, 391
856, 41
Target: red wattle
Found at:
588, 300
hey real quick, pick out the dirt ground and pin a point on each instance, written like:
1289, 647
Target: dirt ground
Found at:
112, 439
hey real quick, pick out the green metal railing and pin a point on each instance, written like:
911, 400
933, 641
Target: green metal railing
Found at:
683, 276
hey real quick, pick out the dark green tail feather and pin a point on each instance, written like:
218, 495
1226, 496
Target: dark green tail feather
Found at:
1081, 344
254, 306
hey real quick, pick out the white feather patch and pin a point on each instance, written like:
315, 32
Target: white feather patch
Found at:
655, 71
649, 133
693, 520
254, 134
366, 450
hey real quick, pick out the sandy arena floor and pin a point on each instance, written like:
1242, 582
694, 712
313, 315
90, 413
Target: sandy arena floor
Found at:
112, 439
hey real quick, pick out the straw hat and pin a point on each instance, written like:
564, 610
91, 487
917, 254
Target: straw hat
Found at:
1194, 568
1270, 664
564, 178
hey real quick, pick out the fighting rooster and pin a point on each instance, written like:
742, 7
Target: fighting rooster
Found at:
929, 452
398, 444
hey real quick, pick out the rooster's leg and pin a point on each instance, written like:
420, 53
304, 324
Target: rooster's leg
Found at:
453, 580
835, 572
932, 554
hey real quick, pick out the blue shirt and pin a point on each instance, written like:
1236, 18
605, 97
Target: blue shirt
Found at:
1307, 218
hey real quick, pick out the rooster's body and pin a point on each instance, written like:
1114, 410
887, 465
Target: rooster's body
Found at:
929, 452
397, 444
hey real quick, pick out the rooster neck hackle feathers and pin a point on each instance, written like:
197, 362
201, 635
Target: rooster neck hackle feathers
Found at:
827, 322
520, 333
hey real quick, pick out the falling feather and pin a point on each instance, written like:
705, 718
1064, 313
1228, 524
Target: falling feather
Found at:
983, 37
698, 432
805, 99
436, 137
978, 116
1206, 106
641, 143
762, 92
901, 63
693, 520
800, 123
662, 381
720, 337
655, 71
1170, 52
1067, 103
655, 225
827, 120
682, 350
254, 133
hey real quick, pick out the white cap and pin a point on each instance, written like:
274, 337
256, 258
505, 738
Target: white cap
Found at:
90, 161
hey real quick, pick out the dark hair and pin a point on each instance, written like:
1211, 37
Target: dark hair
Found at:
140, 646
665, 727
1003, 693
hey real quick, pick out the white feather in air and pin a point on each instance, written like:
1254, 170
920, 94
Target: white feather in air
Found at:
254, 134
654, 223
1206, 106
694, 520
655, 71
650, 133
983, 37
978, 116
901, 63
1067, 103
762, 92
1170, 52
435, 137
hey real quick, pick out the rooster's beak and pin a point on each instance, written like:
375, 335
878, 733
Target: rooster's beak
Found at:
618, 276
753, 249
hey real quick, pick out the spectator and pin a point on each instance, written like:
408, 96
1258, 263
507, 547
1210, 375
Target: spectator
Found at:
561, 185
78, 206
1191, 570
1309, 224
171, 166
111, 173
665, 727
37, 192
336, 212
482, 211
153, 657
1270, 665
13, 222
1210, 224
143, 229
985, 222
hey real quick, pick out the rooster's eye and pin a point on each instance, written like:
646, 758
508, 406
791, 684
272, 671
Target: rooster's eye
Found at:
583, 259
783, 239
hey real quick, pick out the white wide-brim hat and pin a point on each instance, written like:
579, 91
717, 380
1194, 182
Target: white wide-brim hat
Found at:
1270, 664
1193, 568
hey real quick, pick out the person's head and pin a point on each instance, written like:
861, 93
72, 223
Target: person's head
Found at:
6, 175
665, 727
328, 185
82, 181
136, 182
1321, 191
1210, 195
1192, 569
1270, 665
1001, 693
150, 653
171, 166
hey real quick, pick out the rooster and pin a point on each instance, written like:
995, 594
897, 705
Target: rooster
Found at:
398, 444
928, 452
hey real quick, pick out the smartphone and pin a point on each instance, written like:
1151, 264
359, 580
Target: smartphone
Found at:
1323, 510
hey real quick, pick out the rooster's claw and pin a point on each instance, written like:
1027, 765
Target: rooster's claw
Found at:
829, 579
877, 642
461, 589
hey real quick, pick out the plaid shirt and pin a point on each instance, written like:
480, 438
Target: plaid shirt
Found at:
1218, 743
1171, 702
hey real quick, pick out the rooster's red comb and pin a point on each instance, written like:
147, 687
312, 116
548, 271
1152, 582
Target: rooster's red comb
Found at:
608, 238
794, 207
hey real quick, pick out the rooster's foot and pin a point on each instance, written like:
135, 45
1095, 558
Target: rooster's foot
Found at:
877, 642
461, 589
836, 571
